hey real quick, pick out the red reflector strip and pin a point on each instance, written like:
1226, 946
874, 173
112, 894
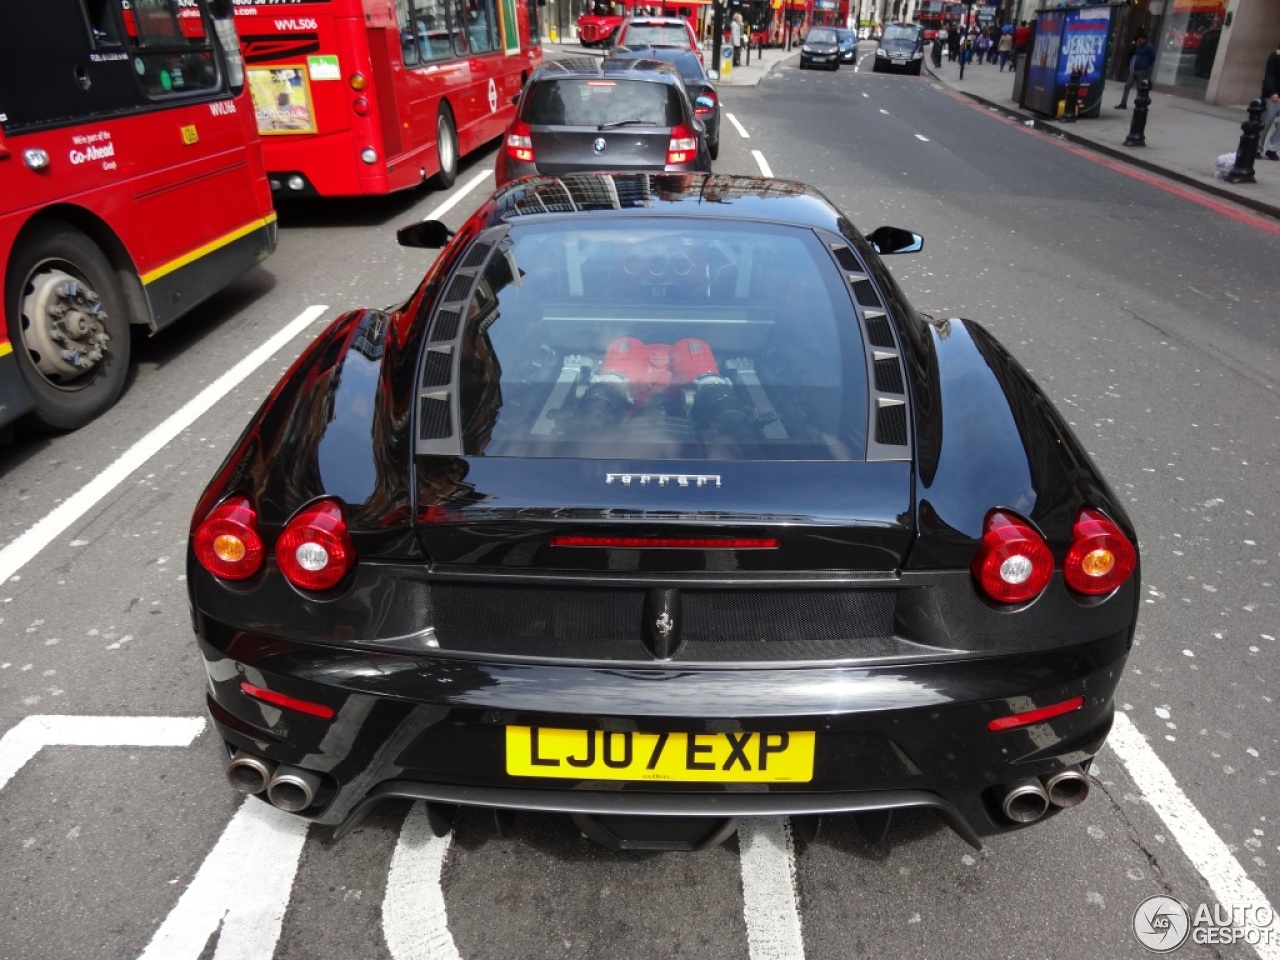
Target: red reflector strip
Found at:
289, 703
668, 543
1035, 716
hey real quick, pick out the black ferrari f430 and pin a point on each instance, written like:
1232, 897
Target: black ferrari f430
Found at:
657, 504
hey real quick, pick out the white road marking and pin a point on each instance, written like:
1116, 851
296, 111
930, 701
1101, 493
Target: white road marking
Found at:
884, 111
415, 922
762, 163
453, 201
34, 733
741, 129
1193, 833
919, 137
769, 889
240, 892
29, 543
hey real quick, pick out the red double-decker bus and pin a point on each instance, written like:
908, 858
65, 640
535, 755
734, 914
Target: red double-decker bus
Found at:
358, 97
132, 187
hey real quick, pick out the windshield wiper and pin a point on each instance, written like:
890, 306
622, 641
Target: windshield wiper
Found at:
626, 123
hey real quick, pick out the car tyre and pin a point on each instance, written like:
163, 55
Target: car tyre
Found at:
916, 71
65, 400
713, 148
447, 148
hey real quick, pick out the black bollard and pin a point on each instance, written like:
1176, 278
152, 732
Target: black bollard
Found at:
1251, 133
1073, 98
1138, 127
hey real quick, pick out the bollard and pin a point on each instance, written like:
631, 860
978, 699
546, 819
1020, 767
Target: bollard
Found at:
1138, 127
1072, 105
1251, 133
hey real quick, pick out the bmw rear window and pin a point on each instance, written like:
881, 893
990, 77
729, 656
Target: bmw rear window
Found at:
582, 102
656, 35
662, 338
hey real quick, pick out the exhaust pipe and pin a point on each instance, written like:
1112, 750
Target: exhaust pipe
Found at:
1025, 801
293, 790
249, 774
1066, 788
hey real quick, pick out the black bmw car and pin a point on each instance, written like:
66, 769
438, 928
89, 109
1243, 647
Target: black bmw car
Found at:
657, 504
702, 92
619, 113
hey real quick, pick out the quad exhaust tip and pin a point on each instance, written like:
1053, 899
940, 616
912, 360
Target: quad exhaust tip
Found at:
1066, 788
293, 790
1025, 801
249, 774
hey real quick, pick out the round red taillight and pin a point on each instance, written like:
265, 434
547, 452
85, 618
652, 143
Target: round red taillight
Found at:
361, 106
1101, 557
227, 543
315, 552
1014, 564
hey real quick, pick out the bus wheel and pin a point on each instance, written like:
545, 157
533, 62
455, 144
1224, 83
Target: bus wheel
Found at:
68, 327
447, 144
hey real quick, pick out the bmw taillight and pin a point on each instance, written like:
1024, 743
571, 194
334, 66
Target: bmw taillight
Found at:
227, 543
1101, 558
1013, 564
520, 142
315, 552
683, 147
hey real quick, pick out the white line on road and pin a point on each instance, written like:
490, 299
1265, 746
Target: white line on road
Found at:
415, 922
884, 111
453, 201
769, 889
762, 163
240, 893
34, 733
741, 129
1226, 878
29, 543
919, 137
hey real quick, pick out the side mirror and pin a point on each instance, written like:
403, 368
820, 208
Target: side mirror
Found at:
428, 234
889, 240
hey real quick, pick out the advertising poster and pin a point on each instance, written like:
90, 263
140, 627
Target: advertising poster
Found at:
1067, 40
1040, 92
282, 100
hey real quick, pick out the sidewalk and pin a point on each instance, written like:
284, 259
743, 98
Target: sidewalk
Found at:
1184, 137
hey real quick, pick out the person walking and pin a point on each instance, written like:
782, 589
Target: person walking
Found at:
1142, 56
735, 37
1004, 48
953, 42
1271, 100
1021, 41
984, 45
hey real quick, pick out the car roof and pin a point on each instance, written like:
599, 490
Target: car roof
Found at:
682, 57
613, 67
581, 196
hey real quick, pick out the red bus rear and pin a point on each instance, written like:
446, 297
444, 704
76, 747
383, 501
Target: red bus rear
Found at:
132, 187
360, 97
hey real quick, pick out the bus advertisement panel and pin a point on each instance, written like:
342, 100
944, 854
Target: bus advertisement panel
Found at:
363, 97
126, 198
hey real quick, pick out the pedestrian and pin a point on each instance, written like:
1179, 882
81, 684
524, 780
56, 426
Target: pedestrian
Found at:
1271, 99
984, 45
735, 37
1004, 48
1142, 56
1021, 40
939, 43
953, 42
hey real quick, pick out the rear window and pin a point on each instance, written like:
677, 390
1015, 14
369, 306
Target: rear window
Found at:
581, 102
821, 36
656, 35
662, 339
901, 32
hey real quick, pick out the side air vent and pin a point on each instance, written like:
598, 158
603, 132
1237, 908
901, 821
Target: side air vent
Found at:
438, 368
446, 326
864, 292
458, 288
434, 419
888, 375
891, 424
878, 332
475, 256
845, 257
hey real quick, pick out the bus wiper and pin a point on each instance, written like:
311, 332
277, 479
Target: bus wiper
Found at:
626, 123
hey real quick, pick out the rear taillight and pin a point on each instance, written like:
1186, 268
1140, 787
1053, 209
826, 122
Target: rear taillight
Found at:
1014, 564
1101, 557
520, 142
683, 147
315, 552
227, 543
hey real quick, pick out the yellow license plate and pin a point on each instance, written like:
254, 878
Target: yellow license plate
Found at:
748, 757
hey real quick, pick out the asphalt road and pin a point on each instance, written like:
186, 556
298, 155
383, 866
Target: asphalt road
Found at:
1148, 317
